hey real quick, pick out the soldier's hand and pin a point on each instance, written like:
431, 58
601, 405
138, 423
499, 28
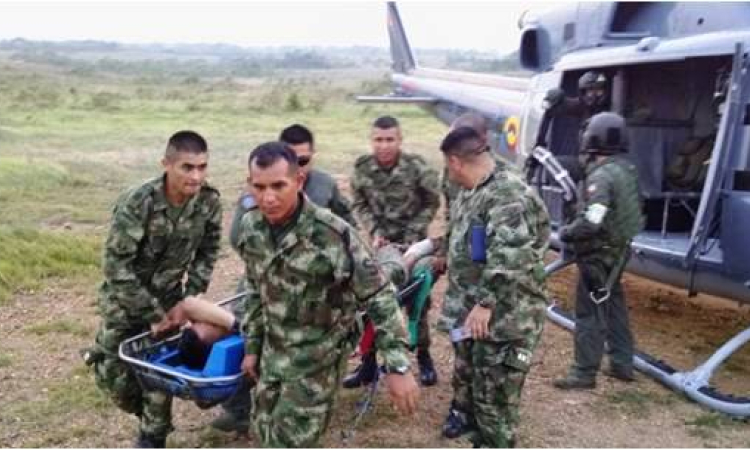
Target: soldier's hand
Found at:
250, 367
379, 241
478, 322
403, 391
164, 326
439, 264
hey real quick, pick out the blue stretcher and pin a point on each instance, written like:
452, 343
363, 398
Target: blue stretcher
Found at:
158, 366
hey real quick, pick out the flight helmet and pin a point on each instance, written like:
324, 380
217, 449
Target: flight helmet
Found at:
605, 134
592, 88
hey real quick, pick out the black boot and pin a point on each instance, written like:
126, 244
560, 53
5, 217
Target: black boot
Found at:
457, 423
364, 373
148, 441
427, 373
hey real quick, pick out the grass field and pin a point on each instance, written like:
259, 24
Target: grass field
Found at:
70, 143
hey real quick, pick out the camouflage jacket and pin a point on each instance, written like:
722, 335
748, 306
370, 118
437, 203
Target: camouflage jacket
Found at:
305, 292
397, 203
610, 211
510, 280
319, 187
146, 255
450, 190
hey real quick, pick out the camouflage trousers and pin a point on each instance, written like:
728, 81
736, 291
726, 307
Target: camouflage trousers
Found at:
112, 375
488, 378
295, 413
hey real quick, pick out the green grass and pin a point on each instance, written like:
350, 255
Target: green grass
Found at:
70, 144
30, 258
59, 327
5, 360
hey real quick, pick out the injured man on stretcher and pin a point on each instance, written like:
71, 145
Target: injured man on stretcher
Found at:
204, 322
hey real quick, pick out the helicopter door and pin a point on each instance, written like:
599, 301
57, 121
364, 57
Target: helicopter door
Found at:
534, 110
728, 137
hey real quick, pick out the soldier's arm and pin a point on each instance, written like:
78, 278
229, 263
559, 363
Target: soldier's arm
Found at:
120, 253
429, 192
589, 222
360, 205
252, 319
239, 211
250, 312
378, 296
445, 189
340, 206
199, 272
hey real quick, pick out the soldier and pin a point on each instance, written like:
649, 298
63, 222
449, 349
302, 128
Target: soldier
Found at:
320, 187
161, 248
322, 190
396, 196
600, 238
496, 289
308, 273
592, 97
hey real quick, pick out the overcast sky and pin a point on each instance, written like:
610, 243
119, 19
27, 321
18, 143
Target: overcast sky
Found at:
467, 25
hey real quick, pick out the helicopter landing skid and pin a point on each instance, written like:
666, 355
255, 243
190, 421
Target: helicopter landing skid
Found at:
693, 384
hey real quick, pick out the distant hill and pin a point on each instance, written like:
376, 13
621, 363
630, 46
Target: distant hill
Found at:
88, 57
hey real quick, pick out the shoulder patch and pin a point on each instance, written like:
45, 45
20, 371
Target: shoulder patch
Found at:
595, 213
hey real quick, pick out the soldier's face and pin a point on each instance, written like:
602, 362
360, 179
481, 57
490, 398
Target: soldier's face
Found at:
275, 188
386, 145
186, 172
305, 154
455, 169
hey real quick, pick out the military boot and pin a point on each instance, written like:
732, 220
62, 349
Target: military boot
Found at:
575, 381
230, 421
364, 373
148, 441
427, 373
621, 373
457, 423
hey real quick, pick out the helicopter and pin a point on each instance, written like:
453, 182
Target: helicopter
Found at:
678, 74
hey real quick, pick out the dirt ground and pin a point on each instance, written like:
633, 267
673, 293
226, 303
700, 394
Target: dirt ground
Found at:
48, 398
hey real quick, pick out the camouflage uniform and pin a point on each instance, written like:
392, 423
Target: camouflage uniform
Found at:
398, 204
600, 249
305, 286
489, 373
322, 190
147, 255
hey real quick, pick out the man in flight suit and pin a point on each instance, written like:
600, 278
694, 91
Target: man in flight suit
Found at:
599, 237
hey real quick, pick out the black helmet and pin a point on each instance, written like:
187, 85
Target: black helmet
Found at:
605, 133
592, 88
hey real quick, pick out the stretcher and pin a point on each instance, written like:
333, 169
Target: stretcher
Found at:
158, 365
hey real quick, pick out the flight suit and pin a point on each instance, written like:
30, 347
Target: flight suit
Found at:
151, 248
600, 238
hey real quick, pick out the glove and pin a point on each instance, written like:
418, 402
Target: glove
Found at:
554, 98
